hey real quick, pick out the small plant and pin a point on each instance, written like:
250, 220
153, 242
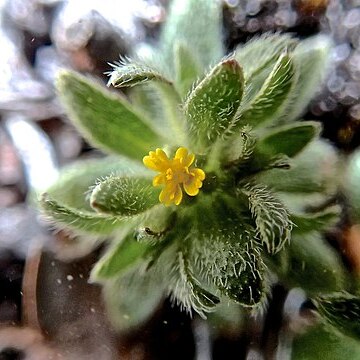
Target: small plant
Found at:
212, 187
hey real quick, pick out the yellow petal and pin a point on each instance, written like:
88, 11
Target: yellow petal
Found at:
181, 152
157, 160
161, 155
188, 160
178, 195
171, 194
185, 158
164, 197
149, 162
198, 173
192, 186
167, 194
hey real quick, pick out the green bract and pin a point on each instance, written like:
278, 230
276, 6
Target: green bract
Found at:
263, 170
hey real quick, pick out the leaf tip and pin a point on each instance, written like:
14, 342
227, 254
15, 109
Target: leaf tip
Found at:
231, 62
62, 78
44, 200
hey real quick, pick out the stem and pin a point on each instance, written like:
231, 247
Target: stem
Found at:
202, 338
273, 322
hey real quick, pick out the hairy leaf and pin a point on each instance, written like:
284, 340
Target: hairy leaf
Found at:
288, 140
174, 117
258, 56
320, 221
271, 217
186, 290
224, 251
212, 104
241, 147
320, 343
125, 196
187, 70
196, 23
106, 120
268, 104
147, 101
119, 258
342, 312
261, 52
311, 58
313, 265
313, 170
132, 298
156, 225
160, 103
78, 221
72, 187
221, 218
248, 287
217, 257
129, 72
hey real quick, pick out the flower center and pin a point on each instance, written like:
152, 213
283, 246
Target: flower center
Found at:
175, 174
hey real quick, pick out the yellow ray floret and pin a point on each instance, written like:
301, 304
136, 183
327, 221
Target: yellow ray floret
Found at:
173, 173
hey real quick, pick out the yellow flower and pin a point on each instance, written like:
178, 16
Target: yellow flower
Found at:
173, 173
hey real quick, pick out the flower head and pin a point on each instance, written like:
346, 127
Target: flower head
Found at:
174, 173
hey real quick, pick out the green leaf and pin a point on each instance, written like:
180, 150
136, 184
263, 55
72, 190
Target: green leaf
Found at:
248, 287
154, 102
198, 298
313, 265
156, 225
320, 221
257, 57
342, 312
72, 187
222, 245
119, 258
125, 196
311, 59
240, 147
78, 221
196, 23
187, 70
350, 182
212, 104
313, 170
319, 343
132, 298
269, 102
288, 140
130, 72
261, 52
175, 120
160, 102
147, 101
175, 267
271, 217
106, 120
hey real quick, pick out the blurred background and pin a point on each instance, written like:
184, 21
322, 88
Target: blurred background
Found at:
40, 37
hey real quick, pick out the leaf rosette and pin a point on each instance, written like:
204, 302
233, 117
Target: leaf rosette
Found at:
187, 198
